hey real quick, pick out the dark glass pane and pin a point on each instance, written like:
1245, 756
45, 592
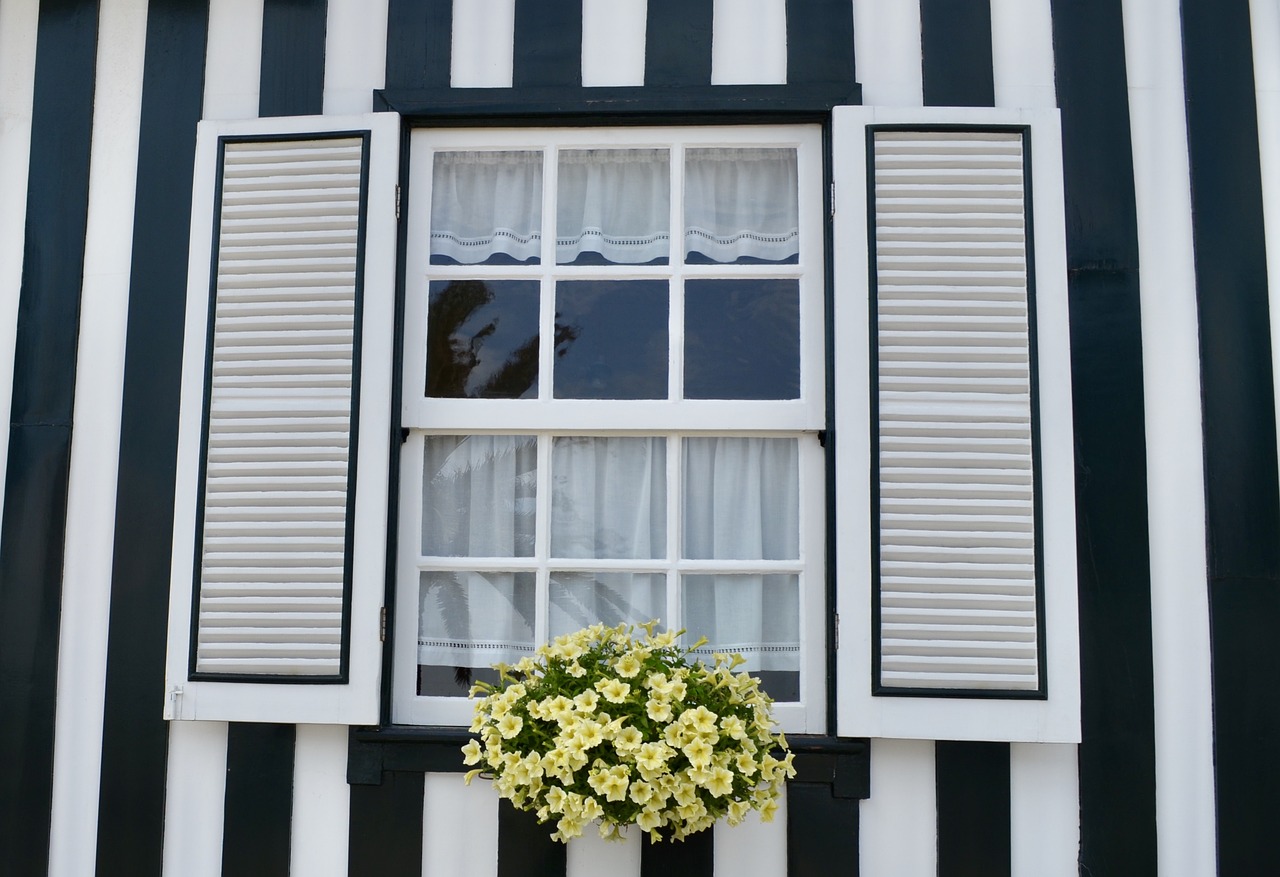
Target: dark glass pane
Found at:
742, 339
482, 339
611, 339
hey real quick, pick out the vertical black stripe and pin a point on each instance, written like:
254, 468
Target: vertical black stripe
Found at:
291, 79
1241, 497
692, 857
134, 736
819, 41
44, 372
386, 827
822, 831
677, 49
525, 848
955, 45
258, 803
973, 809
548, 44
419, 43
1117, 755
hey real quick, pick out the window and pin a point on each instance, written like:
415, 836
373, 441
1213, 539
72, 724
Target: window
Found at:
613, 378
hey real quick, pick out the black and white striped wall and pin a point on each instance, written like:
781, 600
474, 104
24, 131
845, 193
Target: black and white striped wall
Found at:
1171, 129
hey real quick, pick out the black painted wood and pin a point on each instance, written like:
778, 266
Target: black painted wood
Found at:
974, 831
820, 41
677, 49
134, 736
257, 813
1117, 755
955, 45
1242, 503
291, 77
35, 499
548, 44
386, 827
419, 43
525, 847
822, 831
691, 857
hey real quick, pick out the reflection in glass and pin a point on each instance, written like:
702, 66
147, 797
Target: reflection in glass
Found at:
742, 339
756, 616
741, 206
619, 339
741, 498
486, 208
580, 599
482, 339
467, 621
609, 497
479, 495
614, 207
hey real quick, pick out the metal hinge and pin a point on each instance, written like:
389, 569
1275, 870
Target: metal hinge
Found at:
833, 199
837, 631
397, 201
382, 624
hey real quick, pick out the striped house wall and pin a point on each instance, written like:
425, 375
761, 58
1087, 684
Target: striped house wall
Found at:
1171, 128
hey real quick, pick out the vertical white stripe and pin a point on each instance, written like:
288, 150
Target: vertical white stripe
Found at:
233, 59
591, 855
95, 442
1022, 53
355, 54
483, 43
613, 35
752, 847
887, 46
898, 824
460, 827
18, 24
1264, 18
1175, 477
1044, 794
321, 801
194, 790
748, 42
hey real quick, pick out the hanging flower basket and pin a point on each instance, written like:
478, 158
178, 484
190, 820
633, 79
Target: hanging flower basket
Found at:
608, 725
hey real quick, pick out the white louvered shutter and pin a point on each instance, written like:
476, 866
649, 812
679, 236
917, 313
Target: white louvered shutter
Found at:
280, 521
969, 621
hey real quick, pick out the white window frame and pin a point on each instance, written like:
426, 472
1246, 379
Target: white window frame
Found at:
674, 417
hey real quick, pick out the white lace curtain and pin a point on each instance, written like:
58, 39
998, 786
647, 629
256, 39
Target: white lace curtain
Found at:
739, 203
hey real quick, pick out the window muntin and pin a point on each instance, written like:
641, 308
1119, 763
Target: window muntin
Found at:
665, 380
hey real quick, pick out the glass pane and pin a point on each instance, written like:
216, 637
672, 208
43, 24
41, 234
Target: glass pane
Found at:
612, 339
608, 497
756, 616
482, 339
741, 499
479, 495
486, 208
741, 206
742, 339
580, 599
468, 621
613, 207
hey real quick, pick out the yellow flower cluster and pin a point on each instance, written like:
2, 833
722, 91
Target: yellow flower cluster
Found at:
605, 724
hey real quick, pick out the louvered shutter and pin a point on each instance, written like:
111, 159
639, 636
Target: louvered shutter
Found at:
281, 508
960, 583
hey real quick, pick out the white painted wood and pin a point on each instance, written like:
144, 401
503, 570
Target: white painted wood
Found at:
898, 824
460, 827
886, 38
613, 37
321, 802
748, 42
591, 855
1022, 53
355, 55
1044, 797
18, 23
195, 786
483, 43
1181, 656
232, 59
752, 846
1264, 18
95, 441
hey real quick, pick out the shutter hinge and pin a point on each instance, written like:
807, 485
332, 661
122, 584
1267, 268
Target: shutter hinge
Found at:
382, 624
833, 200
397, 202
837, 616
